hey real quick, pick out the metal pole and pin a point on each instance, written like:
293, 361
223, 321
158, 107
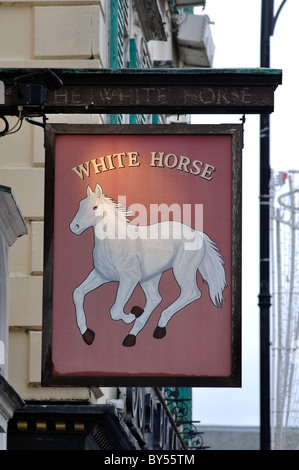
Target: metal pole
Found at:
264, 296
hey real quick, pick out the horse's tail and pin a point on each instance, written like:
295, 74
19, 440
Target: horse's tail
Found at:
212, 271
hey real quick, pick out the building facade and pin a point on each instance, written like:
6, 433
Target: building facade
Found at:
85, 34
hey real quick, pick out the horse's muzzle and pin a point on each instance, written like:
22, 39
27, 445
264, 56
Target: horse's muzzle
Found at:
75, 228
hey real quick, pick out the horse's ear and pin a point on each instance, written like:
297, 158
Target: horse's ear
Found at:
88, 191
98, 190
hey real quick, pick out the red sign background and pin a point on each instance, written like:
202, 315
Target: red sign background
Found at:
199, 337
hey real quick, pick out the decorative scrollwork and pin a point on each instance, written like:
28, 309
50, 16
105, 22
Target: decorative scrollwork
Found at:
192, 435
180, 407
178, 404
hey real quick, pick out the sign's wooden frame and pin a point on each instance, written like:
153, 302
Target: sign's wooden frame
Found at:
234, 380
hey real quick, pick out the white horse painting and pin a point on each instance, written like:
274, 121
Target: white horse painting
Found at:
130, 254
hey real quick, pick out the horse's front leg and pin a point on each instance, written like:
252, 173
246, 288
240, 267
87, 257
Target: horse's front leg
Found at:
126, 286
92, 281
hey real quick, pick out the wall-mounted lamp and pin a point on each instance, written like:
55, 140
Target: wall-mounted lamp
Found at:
29, 88
12, 224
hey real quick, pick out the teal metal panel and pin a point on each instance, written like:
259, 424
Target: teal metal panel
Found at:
116, 44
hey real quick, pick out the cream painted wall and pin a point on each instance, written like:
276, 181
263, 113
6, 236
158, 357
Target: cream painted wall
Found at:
53, 34
44, 34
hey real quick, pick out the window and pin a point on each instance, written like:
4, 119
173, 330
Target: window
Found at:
125, 53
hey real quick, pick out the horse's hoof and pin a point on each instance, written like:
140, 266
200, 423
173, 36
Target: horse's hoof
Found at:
88, 336
159, 332
129, 341
137, 311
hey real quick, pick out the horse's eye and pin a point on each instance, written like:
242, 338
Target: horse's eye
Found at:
95, 208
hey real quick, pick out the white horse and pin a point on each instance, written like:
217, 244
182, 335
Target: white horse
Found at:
131, 254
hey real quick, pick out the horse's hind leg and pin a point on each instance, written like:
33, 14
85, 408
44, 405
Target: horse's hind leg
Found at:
189, 293
153, 298
92, 281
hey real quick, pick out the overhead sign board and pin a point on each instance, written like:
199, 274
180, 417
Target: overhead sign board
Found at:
2, 93
142, 270
177, 91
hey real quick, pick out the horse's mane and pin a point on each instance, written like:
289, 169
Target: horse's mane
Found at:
120, 210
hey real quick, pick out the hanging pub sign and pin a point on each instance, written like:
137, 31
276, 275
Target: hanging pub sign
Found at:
142, 262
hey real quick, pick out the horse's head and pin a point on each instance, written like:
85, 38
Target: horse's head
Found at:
87, 215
